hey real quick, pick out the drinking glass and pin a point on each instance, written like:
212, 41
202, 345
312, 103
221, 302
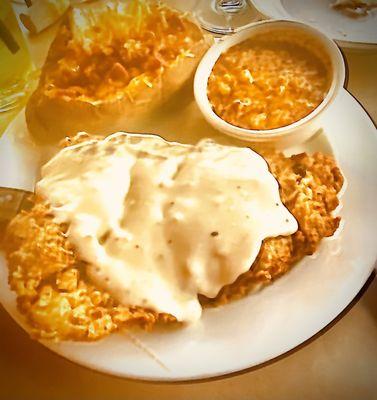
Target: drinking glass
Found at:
15, 63
224, 17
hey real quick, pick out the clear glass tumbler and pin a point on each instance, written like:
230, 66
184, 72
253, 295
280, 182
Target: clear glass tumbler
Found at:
15, 62
223, 17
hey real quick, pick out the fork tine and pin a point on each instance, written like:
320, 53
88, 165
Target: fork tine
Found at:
10, 103
4, 110
8, 107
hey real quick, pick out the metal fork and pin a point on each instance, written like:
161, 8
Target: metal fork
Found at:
10, 103
12, 201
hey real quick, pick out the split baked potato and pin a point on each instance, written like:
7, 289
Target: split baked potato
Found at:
110, 63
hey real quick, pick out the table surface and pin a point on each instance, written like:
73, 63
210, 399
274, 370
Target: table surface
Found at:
339, 363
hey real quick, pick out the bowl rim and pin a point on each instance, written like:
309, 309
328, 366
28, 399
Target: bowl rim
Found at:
208, 61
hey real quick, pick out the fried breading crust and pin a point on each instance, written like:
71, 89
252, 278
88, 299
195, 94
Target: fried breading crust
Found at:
60, 302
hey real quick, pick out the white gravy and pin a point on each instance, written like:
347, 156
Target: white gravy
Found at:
159, 223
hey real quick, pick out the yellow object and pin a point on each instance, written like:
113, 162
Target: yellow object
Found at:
15, 65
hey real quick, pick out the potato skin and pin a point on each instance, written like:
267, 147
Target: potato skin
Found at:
51, 119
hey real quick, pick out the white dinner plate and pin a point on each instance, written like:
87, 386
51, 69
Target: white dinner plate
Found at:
262, 325
349, 32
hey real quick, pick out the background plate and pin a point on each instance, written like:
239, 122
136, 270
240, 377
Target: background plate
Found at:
348, 31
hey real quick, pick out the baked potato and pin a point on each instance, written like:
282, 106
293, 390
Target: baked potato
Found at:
110, 63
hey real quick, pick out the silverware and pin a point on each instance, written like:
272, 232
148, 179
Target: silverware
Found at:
12, 201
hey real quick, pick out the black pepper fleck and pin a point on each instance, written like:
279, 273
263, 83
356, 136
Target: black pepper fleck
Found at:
90, 150
277, 204
214, 234
110, 150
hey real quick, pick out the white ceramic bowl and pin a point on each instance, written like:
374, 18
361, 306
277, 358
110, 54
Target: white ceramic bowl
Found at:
286, 136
